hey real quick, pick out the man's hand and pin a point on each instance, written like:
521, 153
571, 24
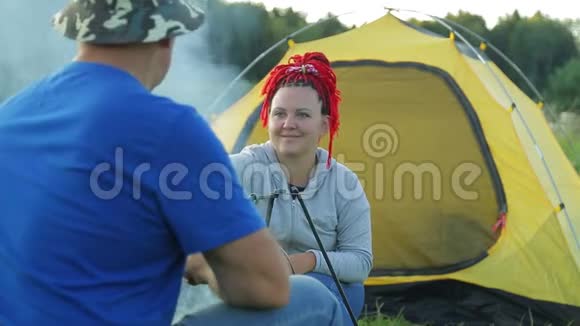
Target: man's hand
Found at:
198, 271
251, 271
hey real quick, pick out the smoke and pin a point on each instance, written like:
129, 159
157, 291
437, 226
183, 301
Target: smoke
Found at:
193, 78
31, 49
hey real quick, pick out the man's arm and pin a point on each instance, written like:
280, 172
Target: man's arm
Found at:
252, 280
251, 272
197, 272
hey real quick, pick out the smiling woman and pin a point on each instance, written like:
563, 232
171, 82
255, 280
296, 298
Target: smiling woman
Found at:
299, 110
296, 126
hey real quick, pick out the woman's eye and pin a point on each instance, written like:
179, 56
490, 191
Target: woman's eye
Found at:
303, 115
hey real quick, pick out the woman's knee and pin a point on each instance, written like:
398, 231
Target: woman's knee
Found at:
354, 292
306, 288
327, 280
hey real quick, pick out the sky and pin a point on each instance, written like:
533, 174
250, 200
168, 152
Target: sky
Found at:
37, 49
362, 11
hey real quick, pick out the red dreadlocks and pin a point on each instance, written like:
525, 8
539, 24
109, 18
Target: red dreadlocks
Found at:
312, 69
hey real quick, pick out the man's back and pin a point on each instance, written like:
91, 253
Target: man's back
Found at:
99, 203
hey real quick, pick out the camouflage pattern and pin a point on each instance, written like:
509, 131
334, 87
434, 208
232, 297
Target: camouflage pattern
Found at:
127, 21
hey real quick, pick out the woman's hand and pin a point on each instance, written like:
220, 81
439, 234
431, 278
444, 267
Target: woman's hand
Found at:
303, 262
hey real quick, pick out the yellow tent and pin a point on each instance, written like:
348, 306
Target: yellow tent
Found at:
475, 208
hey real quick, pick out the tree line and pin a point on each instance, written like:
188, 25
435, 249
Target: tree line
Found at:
239, 32
545, 49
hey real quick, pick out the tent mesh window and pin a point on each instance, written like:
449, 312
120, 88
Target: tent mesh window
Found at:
426, 167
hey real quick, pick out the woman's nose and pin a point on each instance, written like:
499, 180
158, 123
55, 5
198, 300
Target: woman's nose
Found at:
289, 122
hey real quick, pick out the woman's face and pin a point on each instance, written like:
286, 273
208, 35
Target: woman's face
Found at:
296, 123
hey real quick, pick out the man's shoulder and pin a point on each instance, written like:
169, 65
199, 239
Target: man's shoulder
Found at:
148, 109
113, 88
164, 105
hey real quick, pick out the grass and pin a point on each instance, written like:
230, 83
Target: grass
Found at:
399, 320
568, 135
382, 320
571, 147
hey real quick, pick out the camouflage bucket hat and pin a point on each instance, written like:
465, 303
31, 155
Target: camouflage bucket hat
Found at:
127, 21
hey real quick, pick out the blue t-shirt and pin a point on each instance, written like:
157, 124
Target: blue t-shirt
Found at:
104, 190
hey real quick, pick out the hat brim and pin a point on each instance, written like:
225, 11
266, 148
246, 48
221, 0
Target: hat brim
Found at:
94, 22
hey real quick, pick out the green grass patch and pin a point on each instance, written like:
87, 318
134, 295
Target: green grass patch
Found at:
567, 132
382, 320
571, 146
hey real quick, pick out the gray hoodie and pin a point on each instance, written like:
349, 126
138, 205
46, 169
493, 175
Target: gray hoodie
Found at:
335, 200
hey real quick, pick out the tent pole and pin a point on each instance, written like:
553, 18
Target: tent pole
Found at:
520, 73
512, 64
229, 87
516, 109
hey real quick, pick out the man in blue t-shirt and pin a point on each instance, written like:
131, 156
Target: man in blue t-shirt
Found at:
107, 188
